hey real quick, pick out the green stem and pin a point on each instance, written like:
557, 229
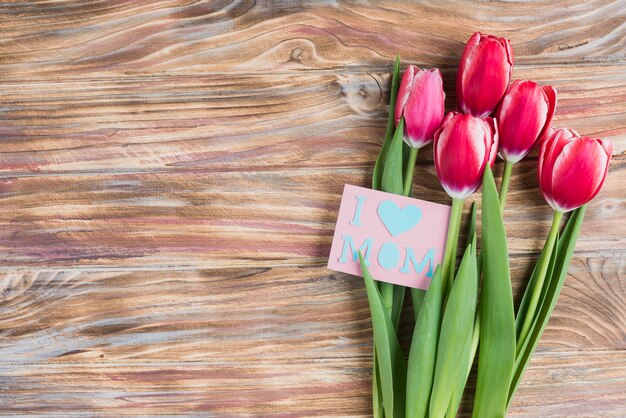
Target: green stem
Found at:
386, 291
377, 400
504, 186
449, 256
541, 276
408, 180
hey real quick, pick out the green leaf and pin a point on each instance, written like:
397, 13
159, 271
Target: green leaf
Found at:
471, 232
396, 307
457, 393
391, 365
386, 293
407, 171
471, 235
522, 355
523, 307
496, 357
393, 174
393, 299
455, 339
553, 284
377, 396
423, 351
471, 227
417, 296
382, 156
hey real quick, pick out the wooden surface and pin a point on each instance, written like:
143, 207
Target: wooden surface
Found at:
170, 173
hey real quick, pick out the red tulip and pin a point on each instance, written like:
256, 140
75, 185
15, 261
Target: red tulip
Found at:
524, 117
484, 73
421, 102
464, 145
572, 169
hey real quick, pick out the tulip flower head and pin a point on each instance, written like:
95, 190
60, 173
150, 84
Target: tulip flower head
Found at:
484, 73
524, 117
421, 102
572, 169
464, 145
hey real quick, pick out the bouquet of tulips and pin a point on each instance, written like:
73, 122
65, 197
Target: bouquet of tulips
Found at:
470, 308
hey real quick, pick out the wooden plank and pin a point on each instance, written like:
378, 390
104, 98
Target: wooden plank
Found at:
575, 384
568, 384
44, 38
267, 388
267, 218
101, 316
590, 311
572, 384
225, 123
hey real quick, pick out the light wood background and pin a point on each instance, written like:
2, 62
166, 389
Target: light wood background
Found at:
170, 174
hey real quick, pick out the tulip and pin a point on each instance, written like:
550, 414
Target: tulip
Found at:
484, 73
524, 118
464, 145
421, 103
572, 169
571, 172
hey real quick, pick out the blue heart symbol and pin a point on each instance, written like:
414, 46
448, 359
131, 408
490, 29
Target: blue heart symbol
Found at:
398, 220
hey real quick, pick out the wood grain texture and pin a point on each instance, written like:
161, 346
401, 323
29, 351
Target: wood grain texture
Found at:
214, 219
284, 313
247, 36
226, 123
170, 173
570, 384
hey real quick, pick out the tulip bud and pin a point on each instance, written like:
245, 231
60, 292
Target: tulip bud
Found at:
572, 169
421, 102
464, 145
524, 118
484, 73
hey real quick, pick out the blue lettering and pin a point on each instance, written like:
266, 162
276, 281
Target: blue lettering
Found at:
348, 245
418, 267
356, 221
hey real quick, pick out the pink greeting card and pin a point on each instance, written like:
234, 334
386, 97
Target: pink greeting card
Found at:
402, 239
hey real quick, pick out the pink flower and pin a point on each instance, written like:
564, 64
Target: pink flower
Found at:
572, 169
524, 118
464, 145
484, 73
421, 102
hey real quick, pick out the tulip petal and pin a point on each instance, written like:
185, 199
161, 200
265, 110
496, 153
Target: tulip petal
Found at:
522, 117
578, 173
608, 148
424, 109
551, 97
406, 85
483, 76
471, 44
492, 140
461, 154
509, 53
549, 151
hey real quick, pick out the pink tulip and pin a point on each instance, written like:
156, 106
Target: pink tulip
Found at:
464, 145
484, 73
572, 169
524, 117
421, 102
